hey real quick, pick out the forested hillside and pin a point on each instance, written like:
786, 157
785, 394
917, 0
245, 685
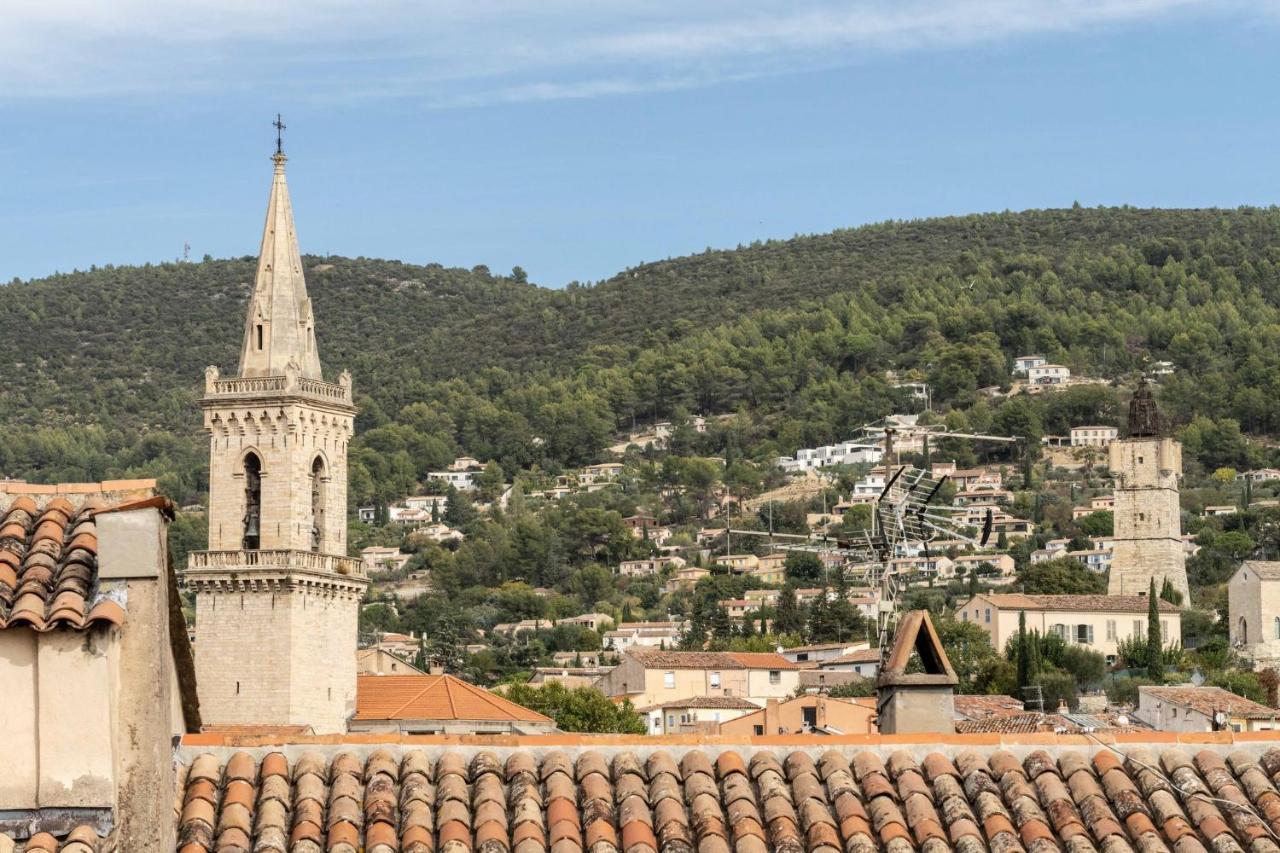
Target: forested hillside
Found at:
101, 369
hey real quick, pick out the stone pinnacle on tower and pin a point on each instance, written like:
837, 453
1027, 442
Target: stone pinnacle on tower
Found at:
280, 328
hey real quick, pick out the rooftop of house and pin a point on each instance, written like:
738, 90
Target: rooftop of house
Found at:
1265, 569
661, 659
858, 656
1036, 721
433, 697
1080, 603
1210, 700
819, 647
49, 553
973, 706
709, 702
793, 793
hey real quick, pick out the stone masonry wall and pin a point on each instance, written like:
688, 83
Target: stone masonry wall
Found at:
288, 439
1148, 526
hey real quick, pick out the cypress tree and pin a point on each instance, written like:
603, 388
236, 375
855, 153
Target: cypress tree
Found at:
1024, 652
1155, 648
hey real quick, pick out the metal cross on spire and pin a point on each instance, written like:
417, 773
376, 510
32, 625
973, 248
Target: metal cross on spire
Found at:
279, 126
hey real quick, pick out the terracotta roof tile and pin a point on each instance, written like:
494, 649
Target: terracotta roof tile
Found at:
433, 697
1208, 700
49, 567
713, 801
1107, 603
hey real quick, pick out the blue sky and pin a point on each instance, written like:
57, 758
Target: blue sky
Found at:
576, 139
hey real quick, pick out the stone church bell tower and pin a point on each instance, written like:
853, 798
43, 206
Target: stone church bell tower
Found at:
277, 599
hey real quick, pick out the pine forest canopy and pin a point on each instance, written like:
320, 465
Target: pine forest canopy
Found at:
101, 369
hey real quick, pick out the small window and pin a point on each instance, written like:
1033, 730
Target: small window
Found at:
987, 616
758, 730
669, 680
775, 677
259, 336
671, 721
1139, 628
1111, 629
715, 679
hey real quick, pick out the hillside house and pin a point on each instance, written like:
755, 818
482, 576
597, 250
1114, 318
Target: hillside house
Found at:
685, 578
463, 481
1096, 560
1004, 564
1093, 436
605, 472
651, 566
428, 503
653, 635
738, 563
1260, 475
1024, 363
652, 677
378, 559
1098, 622
1048, 374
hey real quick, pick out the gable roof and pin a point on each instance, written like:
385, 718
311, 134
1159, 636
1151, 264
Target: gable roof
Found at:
653, 794
433, 697
710, 702
1209, 700
661, 659
1265, 569
1105, 603
763, 660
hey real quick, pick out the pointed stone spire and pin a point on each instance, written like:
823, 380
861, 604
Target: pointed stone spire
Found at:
280, 330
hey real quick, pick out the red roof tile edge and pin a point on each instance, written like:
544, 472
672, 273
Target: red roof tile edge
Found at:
928, 739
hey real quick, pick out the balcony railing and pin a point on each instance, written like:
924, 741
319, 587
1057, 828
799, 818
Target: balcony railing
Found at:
274, 559
240, 386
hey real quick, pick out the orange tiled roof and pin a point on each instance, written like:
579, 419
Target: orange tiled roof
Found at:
49, 566
1107, 603
1209, 700
433, 697
719, 800
763, 660
82, 839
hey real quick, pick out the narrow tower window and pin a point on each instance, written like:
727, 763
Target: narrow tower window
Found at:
252, 502
259, 336
317, 503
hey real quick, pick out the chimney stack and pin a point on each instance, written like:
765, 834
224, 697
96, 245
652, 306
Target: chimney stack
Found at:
916, 701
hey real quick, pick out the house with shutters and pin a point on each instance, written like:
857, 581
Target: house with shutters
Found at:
1097, 622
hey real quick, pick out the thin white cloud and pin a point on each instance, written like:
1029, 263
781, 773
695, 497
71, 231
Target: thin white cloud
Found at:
454, 52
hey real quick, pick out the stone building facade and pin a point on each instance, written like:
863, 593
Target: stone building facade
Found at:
277, 599
1148, 518
1253, 601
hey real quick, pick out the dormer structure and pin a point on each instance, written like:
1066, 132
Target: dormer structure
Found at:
277, 597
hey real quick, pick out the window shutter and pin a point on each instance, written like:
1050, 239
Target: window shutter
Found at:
1091, 635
